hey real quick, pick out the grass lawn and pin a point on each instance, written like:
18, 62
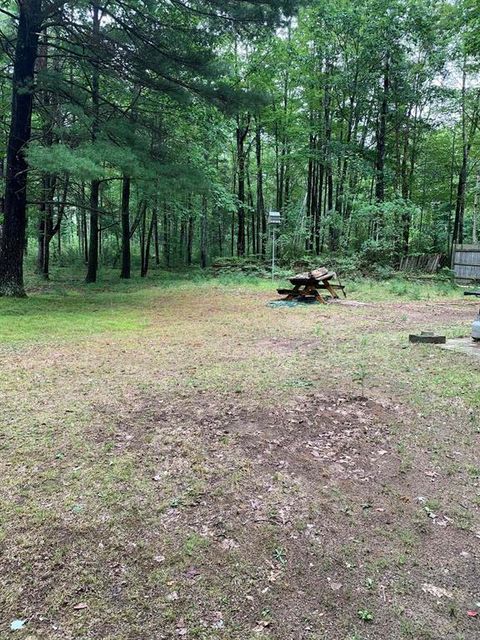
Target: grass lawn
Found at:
180, 460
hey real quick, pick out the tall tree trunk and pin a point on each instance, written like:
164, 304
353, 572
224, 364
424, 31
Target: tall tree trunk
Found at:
156, 239
450, 202
252, 241
95, 184
84, 224
146, 251
382, 135
45, 217
126, 252
183, 241
166, 237
45, 226
142, 239
467, 142
261, 221
191, 229
242, 131
2, 196
15, 217
92, 267
204, 234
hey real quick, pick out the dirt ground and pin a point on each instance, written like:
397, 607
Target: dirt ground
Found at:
232, 471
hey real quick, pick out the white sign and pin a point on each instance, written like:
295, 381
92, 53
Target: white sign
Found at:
274, 217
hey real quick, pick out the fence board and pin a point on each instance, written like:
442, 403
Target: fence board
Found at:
425, 263
466, 263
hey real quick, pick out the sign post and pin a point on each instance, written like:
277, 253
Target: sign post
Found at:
274, 219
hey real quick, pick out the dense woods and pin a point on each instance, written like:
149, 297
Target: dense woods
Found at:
139, 134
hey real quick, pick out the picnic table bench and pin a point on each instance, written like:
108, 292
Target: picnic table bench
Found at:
309, 285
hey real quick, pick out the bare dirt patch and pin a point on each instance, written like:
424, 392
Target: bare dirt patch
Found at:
306, 512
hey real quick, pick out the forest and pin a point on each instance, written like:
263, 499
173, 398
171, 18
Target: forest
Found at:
140, 134
229, 411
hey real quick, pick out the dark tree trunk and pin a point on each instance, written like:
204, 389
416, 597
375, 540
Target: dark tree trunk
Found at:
242, 132
458, 233
183, 241
93, 241
190, 240
2, 197
126, 253
45, 223
45, 227
142, 239
146, 251
220, 239
95, 184
382, 136
320, 179
166, 238
156, 238
261, 221
85, 235
452, 188
252, 239
310, 221
15, 216
204, 234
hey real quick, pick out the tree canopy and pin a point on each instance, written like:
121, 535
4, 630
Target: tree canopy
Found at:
139, 131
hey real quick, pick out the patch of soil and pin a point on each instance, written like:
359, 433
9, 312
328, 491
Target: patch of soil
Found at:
307, 514
318, 435
286, 346
241, 520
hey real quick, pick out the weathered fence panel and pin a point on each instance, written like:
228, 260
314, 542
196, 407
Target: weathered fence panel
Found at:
466, 263
426, 263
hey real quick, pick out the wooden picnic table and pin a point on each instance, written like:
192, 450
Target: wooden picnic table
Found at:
309, 285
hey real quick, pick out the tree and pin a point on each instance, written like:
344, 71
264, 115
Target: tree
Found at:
12, 245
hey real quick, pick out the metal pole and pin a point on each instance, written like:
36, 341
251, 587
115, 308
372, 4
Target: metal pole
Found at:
273, 252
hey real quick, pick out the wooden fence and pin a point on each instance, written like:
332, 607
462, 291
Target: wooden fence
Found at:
466, 263
424, 263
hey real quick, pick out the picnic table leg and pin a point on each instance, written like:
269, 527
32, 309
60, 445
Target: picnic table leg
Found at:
332, 291
319, 298
295, 294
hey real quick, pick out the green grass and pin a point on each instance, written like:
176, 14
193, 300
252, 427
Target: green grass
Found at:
66, 308
401, 289
70, 315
